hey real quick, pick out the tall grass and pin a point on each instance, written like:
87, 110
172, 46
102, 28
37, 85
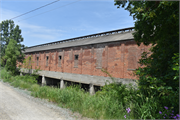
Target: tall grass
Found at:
101, 107
23, 82
114, 101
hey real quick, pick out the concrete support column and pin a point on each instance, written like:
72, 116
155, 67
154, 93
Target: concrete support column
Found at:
91, 89
20, 73
62, 85
43, 80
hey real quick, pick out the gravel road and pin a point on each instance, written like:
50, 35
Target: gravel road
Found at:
17, 104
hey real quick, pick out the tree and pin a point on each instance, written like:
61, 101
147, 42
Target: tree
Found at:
9, 31
11, 54
157, 23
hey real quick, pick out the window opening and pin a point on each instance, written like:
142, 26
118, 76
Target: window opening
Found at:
47, 57
29, 60
59, 61
37, 61
76, 57
76, 60
59, 57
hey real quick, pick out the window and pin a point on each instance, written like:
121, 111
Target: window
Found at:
99, 52
37, 61
76, 57
59, 61
76, 60
29, 60
47, 57
132, 58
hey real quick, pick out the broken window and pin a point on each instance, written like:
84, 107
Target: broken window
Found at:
47, 57
76, 57
37, 61
76, 60
59, 61
29, 60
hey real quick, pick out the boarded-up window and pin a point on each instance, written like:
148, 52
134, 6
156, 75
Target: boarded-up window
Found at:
29, 60
132, 58
59, 61
99, 57
76, 57
37, 61
47, 58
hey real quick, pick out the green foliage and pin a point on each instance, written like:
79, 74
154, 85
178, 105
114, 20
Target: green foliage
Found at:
166, 87
11, 55
96, 106
109, 103
146, 107
34, 88
17, 80
4, 74
27, 62
122, 92
157, 23
9, 31
27, 65
101, 107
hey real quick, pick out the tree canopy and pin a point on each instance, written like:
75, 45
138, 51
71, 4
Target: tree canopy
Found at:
11, 54
9, 31
157, 23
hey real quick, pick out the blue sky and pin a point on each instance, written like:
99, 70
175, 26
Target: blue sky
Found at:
78, 19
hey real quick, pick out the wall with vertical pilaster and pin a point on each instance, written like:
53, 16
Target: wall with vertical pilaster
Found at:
118, 58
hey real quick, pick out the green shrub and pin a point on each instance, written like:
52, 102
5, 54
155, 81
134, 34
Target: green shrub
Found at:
163, 88
121, 92
112, 102
24, 85
5, 75
34, 88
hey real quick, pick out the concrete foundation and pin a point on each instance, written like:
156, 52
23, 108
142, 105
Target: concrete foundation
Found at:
62, 85
43, 80
85, 79
91, 89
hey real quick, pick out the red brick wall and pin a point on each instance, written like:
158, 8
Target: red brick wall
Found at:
87, 60
118, 58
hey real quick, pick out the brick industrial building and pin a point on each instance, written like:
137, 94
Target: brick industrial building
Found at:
82, 59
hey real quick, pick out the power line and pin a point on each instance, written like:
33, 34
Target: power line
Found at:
50, 10
35, 9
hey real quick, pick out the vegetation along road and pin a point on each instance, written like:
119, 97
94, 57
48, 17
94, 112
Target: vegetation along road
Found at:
16, 104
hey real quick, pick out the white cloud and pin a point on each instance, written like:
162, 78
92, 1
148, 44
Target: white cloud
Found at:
43, 36
7, 14
31, 32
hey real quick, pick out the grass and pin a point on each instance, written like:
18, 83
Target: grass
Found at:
110, 103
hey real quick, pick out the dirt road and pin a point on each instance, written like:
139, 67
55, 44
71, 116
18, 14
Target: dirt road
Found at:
16, 105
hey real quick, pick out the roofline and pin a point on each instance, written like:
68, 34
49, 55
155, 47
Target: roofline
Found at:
76, 46
86, 36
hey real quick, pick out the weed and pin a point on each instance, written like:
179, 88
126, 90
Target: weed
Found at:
114, 101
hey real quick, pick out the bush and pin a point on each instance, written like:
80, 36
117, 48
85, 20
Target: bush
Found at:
5, 75
165, 88
34, 88
114, 101
122, 92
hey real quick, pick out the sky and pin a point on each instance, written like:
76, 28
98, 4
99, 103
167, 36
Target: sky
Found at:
65, 19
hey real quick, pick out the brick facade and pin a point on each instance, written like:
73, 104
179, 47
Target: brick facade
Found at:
119, 58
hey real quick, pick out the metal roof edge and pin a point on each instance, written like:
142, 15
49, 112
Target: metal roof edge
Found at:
86, 36
78, 45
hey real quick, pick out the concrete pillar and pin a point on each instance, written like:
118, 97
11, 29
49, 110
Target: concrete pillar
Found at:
43, 80
20, 73
91, 89
62, 85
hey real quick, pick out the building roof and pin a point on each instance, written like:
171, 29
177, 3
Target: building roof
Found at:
104, 37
